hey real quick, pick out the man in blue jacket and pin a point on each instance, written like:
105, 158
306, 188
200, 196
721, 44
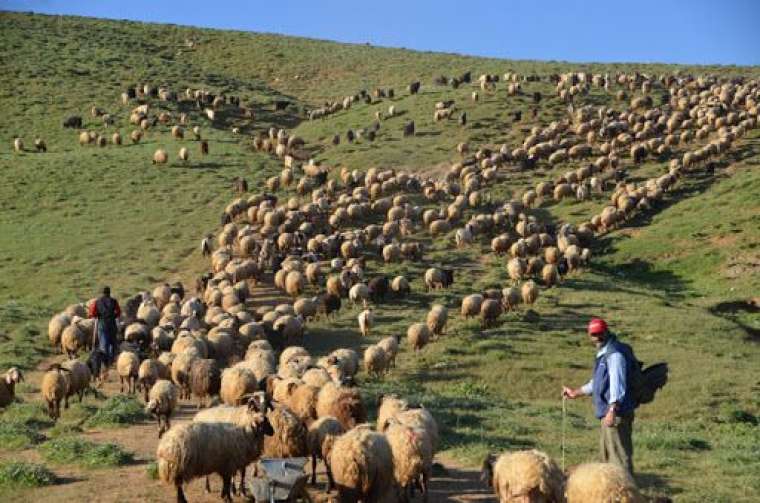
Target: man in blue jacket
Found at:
609, 388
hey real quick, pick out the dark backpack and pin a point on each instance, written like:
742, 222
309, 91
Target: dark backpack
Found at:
644, 382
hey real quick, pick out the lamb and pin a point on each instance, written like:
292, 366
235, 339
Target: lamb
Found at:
162, 399
412, 457
320, 439
390, 346
418, 335
343, 403
54, 388
600, 482
205, 379
362, 466
520, 475
79, 378
196, 449
471, 305
127, 366
289, 438
375, 361
366, 320
436, 319
8, 386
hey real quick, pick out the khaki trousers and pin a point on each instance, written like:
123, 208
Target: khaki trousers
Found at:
616, 443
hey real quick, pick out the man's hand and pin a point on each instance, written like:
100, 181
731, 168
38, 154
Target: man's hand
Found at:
570, 393
609, 419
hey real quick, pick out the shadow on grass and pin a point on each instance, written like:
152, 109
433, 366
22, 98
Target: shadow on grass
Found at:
731, 310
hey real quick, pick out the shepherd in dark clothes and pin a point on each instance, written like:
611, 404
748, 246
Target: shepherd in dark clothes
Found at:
106, 309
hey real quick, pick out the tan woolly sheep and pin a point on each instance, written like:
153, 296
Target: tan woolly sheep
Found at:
418, 335
471, 305
147, 375
389, 406
160, 156
237, 383
289, 439
54, 388
517, 476
375, 361
192, 450
127, 366
320, 439
390, 346
437, 318
162, 399
79, 378
412, 457
490, 310
343, 403
8, 386
529, 291
55, 328
362, 466
601, 483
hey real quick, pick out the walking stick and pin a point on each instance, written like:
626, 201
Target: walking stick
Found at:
564, 419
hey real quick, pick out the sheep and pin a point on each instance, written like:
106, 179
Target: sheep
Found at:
516, 267
358, 293
55, 328
390, 346
302, 401
147, 375
366, 320
79, 378
418, 335
529, 292
183, 154
490, 310
437, 278
320, 439
348, 359
178, 133
375, 361
196, 449
162, 399
160, 156
550, 275
294, 283
237, 382
510, 298
40, 145
18, 145
8, 386
437, 318
72, 339
135, 136
343, 403
362, 466
205, 379
412, 457
54, 388
471, 305
289, 438
520, 475
600, 482
127, 366
389, 406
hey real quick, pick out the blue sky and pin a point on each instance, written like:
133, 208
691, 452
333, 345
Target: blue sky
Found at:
668, 31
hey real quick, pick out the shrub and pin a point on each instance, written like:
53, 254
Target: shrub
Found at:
84, 453
25, 474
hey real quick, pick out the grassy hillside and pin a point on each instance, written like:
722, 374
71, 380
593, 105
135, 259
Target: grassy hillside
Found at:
675, 283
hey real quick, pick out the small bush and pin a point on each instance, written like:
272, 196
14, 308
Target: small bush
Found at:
25, 475
18, 435
117, 411
84, 453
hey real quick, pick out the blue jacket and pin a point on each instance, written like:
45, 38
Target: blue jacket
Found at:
616, 359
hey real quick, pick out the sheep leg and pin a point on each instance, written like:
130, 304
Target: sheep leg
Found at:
330, 479
208, 485
180, 493
313, 469
242, 482
145, 392
121, 384
66, 402
424, 486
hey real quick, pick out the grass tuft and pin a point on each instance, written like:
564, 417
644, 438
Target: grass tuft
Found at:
20, 474
84, 453
117, 411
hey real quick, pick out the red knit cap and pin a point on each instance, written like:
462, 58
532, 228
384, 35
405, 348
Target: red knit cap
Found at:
597, 326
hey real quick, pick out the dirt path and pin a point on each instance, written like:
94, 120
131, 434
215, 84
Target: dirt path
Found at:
451, 482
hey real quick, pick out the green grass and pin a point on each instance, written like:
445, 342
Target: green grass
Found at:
117, 411
674, 283
84, 453
19, 474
